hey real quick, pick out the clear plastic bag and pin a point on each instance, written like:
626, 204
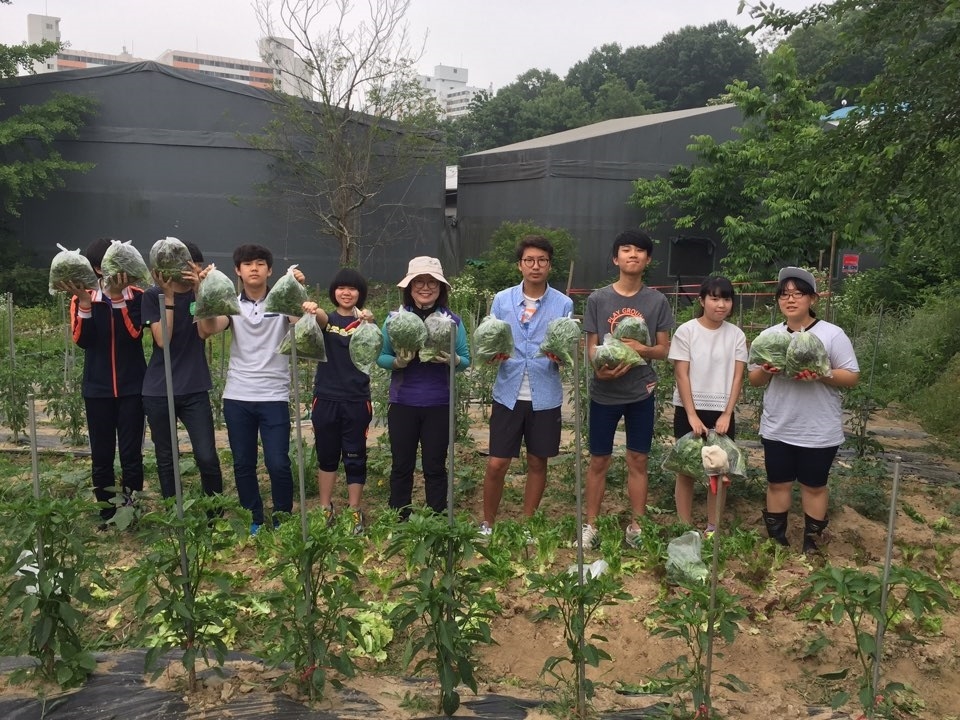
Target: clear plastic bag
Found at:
684, 562
287, 296
123, 257
492, 340
614, 352
440, 327
684, 457
366, 344
735, 456
170, 257
561, 340
406, 331
632, 328
309, 339
69, 266
216, 296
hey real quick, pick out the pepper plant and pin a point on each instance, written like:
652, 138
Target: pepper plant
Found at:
442, 604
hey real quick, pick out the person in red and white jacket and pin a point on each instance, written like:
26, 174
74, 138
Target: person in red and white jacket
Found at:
106, 324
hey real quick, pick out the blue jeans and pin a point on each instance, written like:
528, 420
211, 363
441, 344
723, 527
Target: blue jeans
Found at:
194, 412
271, 420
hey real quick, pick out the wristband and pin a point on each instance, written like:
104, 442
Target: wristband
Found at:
170, 307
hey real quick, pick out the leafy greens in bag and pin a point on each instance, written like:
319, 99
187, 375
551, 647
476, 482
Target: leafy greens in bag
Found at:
170, 257
806, 356
309, 339
770, 348
123, 257
366, 343
406, 331
614, 352
736, 458
287, 296
632, 328
216, 296
492, 340
684, 457
440, 327
561, 340
69, 266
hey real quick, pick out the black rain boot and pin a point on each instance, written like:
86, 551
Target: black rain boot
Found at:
813, 531
776, 526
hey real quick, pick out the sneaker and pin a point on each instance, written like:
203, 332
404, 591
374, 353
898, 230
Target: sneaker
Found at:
329, 514
255, 528
357, 515
632, 535
708, 533
589, 536
528, 537
484, 531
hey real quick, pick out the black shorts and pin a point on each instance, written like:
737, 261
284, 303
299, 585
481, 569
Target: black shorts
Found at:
538, 429
785, 463
681, 426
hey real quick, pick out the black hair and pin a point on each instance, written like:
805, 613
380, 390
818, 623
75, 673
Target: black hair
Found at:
442, 299
95, 252
718, 286
637, 238
348, 277
802, 286
195, 253
534, 241
248, 253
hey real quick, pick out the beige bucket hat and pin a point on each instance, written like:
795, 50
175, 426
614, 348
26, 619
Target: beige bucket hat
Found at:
423, 265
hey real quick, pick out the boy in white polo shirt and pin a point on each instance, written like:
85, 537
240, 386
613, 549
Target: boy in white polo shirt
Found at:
256, 398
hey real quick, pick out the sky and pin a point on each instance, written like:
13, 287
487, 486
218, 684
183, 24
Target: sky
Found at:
496, 40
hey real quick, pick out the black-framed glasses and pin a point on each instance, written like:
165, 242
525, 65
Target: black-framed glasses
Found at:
428, 283
795, 295
535, 261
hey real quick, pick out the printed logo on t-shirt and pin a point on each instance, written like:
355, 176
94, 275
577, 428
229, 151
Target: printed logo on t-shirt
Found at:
618, 315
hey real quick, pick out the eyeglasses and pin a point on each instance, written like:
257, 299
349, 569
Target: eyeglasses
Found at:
535, 262
796, 295
428, 283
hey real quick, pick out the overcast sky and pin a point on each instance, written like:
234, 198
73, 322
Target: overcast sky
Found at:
495, 40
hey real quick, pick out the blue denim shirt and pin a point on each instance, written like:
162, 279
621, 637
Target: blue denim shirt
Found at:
545, 387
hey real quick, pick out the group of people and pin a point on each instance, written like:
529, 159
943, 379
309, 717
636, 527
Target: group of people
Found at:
800, 428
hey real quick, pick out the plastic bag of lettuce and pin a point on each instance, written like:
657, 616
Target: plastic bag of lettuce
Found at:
684, 457
492, 340
632, 328
309, 339
216, 296
366, 343
406, 331
614, 352
72, 268
770, 349
170, 257
561, 340
806, 356
122, 258
440, 328
287, 296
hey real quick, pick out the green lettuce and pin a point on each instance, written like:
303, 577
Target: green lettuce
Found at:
440, 329
406, 331
770, 348
614, 352
123, 257
561, 340
684, 457
632, 328
492, 340
170, 258
806, 353
366, 344
216, 296
287, 296
69, 266
309, 339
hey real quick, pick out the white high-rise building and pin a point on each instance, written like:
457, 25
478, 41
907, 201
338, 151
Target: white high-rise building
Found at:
41, 28
449, 85
292, 75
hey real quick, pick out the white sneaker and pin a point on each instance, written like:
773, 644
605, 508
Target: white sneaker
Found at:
588, 536
484, 531
632, 536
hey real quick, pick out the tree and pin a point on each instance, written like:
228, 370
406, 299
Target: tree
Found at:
765, 193
360, 119
693, 65
30, 165
903, 141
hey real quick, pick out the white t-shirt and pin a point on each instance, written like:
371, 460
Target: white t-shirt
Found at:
713, 355
808, 414
257, 373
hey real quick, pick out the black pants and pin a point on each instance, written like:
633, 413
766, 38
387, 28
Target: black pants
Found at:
115, 424
428, 428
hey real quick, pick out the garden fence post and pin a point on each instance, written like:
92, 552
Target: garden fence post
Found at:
452, 423
885, 584
13, 353
578, 472
298, 424
35, 470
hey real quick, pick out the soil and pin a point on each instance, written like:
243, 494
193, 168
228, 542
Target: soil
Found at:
768, 653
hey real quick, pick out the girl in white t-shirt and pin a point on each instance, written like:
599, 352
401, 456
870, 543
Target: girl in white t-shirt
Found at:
709, 355
801, 427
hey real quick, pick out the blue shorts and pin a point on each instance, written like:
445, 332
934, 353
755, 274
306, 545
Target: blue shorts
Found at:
637, 420
785, 463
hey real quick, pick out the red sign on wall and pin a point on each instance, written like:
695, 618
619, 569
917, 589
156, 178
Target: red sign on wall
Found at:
851, 264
